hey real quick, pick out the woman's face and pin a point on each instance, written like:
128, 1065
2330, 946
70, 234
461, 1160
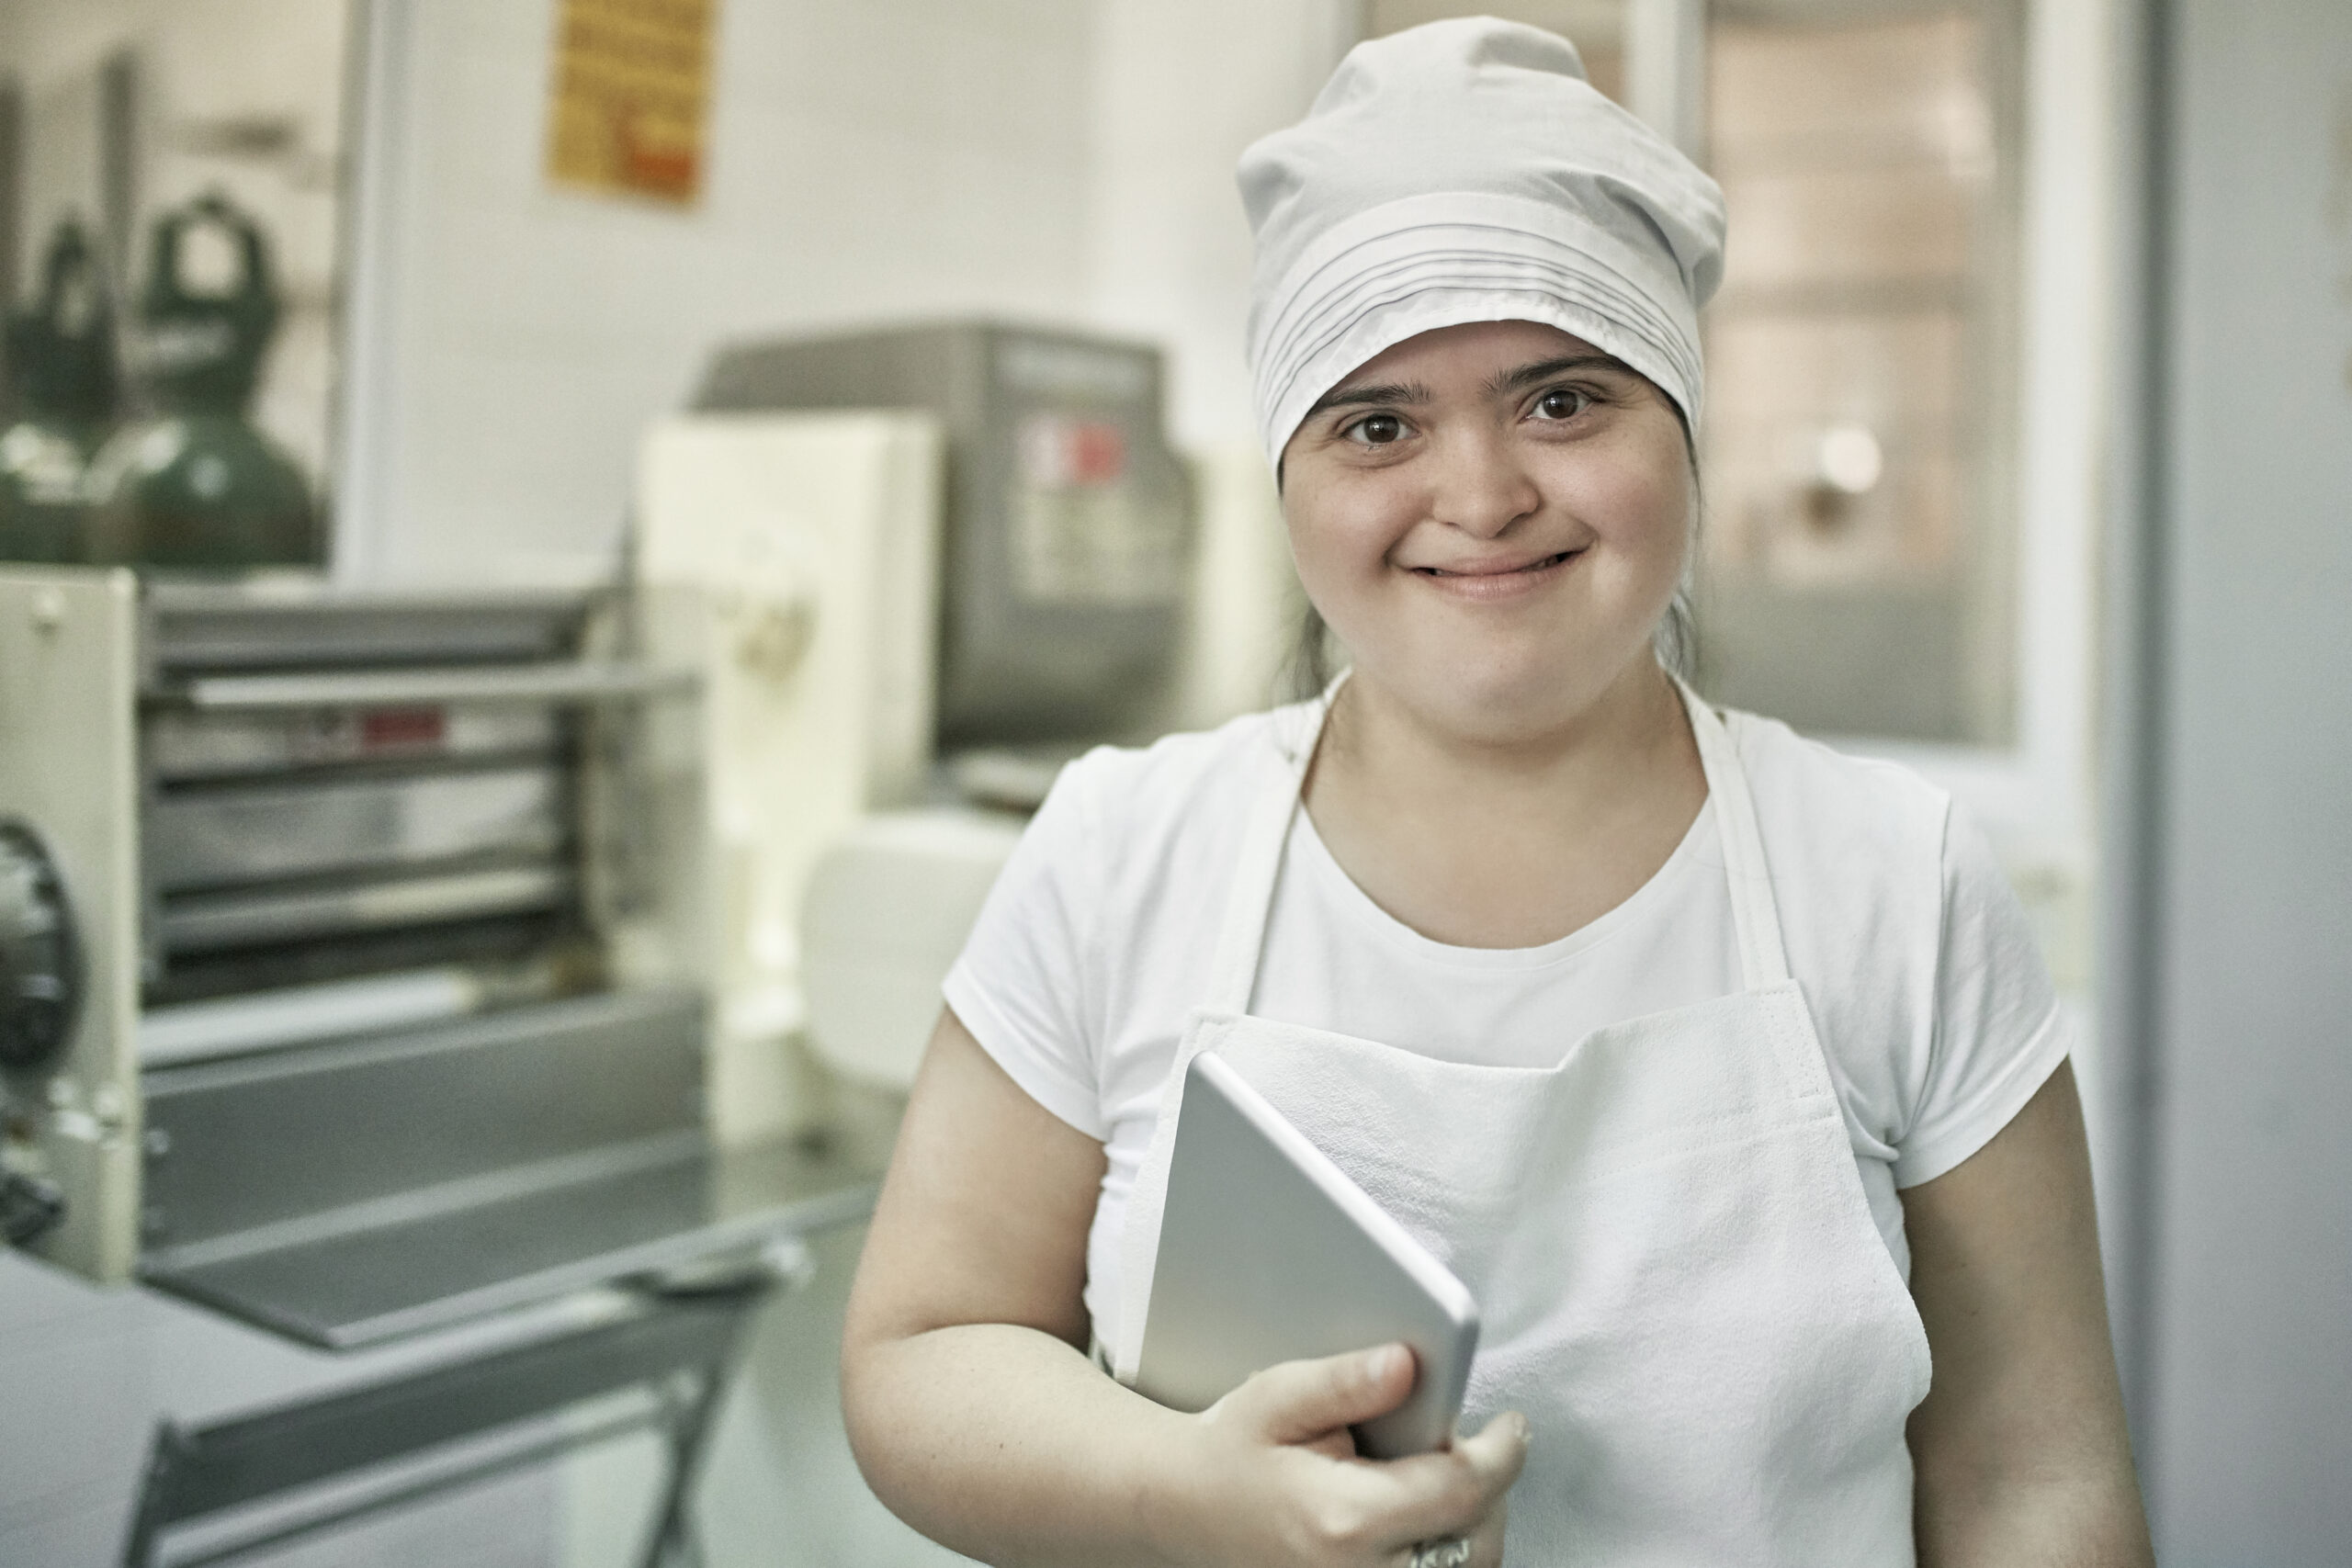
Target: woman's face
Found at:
1493, 517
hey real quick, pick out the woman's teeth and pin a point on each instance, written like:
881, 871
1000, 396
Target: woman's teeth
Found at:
1530, 566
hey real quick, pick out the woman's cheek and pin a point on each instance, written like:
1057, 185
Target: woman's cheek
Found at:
1341, 544
1633, 490
1643, 518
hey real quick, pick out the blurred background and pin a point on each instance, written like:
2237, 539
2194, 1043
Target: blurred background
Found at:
546, 549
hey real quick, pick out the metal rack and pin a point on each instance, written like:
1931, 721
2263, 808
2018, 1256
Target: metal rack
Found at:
270, 1478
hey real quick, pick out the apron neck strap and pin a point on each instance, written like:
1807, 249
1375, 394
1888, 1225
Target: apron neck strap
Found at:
1241, 936
1763, 958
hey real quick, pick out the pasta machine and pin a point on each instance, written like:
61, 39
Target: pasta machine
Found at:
351, 952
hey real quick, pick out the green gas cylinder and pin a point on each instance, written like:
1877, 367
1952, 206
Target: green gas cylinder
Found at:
60, 365
195, 485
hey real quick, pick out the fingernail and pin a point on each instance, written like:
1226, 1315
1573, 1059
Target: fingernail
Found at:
1383, 1363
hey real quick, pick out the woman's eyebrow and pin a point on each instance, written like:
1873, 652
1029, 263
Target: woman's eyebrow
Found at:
1383, 393
1545, 369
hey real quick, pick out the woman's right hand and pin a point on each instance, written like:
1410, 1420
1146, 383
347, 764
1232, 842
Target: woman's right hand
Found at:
1270, 1476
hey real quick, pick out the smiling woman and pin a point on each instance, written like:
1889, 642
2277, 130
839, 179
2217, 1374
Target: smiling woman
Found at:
1504, 465
1721, 1068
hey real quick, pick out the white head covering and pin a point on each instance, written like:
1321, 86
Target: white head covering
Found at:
1465, 171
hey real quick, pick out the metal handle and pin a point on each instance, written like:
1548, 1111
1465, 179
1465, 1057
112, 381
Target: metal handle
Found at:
584, 680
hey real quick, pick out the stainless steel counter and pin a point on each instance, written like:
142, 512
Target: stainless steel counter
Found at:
345, 1192
365, 1286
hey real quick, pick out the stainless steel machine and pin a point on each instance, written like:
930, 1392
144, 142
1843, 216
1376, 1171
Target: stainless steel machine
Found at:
350, 973
1068, 540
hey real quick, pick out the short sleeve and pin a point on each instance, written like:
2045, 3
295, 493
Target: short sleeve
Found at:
1022, 981
1999, 1030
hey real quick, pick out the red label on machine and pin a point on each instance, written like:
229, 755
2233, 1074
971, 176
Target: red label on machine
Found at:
1058, 452
401, 729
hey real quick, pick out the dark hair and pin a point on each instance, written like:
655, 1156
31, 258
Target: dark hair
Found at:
1676, 642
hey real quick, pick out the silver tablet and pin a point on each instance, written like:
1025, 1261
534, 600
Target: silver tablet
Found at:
1268, 1253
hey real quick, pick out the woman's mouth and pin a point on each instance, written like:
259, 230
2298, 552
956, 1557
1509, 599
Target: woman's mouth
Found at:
1537, 565
1497, 581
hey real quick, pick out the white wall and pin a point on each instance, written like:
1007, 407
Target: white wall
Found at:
2248, 1443
1177, 93
867, 159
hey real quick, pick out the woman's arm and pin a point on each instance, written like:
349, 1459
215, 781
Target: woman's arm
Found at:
976, 1416
2021, 1450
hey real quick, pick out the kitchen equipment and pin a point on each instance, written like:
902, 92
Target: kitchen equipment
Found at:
358, 950
1066, 539
791, 561
60, 362
887, 909
198, 486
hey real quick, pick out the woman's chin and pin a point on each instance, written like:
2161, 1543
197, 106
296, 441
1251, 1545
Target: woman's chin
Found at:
1498, 700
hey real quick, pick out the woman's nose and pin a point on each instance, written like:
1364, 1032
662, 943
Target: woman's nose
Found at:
1481, 486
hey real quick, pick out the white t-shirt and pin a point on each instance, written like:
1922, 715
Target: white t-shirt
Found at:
1932, 1003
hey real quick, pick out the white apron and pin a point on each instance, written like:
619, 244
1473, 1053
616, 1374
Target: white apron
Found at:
1677, 1276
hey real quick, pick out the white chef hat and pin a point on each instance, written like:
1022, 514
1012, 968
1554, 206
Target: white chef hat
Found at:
1465, 171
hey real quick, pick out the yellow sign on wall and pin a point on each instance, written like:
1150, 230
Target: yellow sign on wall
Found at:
632, 88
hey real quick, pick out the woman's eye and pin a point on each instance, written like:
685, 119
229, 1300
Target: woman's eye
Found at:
1562, 402
1376, 430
